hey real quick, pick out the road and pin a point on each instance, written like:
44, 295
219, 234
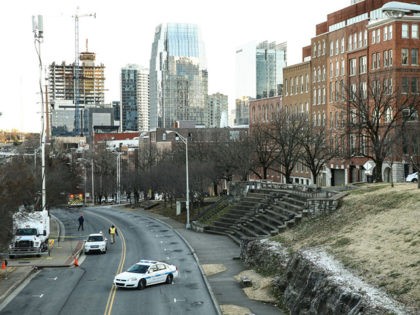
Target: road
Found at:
88, 289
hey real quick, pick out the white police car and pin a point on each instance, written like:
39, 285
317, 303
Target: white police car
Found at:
96, 242
144, 273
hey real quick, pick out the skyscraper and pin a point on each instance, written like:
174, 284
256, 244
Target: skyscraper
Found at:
178, 76
259, 69
134, 98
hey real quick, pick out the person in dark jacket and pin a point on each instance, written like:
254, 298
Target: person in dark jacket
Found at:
81, 220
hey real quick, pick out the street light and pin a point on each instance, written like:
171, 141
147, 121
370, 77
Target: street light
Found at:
187, 205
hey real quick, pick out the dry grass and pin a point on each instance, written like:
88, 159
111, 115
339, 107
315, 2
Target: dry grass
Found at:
376, 234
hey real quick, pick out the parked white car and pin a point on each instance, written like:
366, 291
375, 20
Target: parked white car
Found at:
96, 242
144, 273
412, 177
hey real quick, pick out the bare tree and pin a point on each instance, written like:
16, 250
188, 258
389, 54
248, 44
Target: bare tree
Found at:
374, 111
265, 149
316, 151
286, 132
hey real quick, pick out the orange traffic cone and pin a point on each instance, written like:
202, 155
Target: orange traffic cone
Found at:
76, 262
3, 265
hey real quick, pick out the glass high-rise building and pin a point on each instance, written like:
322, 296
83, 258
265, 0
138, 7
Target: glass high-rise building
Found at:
134, 98
259, 69
178, 76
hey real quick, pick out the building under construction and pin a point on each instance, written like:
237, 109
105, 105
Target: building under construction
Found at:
65, 99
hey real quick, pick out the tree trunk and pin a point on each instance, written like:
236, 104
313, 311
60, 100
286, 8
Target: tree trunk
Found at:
378, 171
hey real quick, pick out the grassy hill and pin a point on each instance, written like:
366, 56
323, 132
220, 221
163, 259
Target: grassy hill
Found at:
375, 233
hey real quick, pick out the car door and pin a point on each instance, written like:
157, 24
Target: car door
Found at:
152, 274
161, 273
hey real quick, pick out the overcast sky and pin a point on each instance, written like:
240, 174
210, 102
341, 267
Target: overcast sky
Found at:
123, 32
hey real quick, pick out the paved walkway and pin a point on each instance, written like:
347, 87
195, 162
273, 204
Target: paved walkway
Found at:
208, 249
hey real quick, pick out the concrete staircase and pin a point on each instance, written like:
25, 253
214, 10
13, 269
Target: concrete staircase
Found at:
261, 213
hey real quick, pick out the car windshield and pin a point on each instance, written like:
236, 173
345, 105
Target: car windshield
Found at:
96, 238
27, 231
138, 268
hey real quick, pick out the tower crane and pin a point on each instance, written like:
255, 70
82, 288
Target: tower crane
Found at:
78, 119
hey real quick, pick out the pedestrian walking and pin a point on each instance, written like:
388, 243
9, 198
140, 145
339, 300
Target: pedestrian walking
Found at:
113, 231
81, 220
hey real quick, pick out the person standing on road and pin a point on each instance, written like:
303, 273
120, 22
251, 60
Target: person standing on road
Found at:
113, 231
81, 220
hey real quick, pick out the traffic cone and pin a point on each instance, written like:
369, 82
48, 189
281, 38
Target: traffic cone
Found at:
3, 265
76, 262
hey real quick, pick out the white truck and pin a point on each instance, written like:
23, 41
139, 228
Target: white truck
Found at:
31, 233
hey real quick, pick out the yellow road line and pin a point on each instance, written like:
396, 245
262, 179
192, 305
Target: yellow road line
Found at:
113, 292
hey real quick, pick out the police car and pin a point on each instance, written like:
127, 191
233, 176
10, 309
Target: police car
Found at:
145, 273
96, 242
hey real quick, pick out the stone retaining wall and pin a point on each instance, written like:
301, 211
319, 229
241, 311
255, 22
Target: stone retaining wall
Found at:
312, 282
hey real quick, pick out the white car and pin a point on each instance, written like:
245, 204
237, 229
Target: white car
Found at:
96, 242
412, 177
144, 273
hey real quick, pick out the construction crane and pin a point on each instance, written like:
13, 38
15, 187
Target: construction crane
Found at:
78, 119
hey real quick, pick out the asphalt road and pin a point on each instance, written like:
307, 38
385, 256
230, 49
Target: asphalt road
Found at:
88, 289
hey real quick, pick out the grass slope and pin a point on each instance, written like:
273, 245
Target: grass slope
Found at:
375, 233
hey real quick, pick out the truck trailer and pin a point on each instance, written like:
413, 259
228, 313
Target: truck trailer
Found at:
31, 231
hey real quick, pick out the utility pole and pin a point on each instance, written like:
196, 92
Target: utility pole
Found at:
78, 119
38, 30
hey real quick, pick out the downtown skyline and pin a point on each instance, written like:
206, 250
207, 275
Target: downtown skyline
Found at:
120, 36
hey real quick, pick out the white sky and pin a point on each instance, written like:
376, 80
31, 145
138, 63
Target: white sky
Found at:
123, 32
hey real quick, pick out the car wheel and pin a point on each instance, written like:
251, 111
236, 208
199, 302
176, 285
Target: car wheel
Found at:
169, 279
142, 284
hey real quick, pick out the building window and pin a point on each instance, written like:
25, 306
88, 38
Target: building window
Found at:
342, 45
342, 67
307, 83
404, 56
365, 38
362, 64
286, 87
374, 63
389, 32
301, 84
319, 49
378, 35
314, 49
319, 74
350, 43
355, 41
336, 47
314, 100
331, 48
404, 85
390, 57
353, 91
352, 66
323, 47
414, 31
404, 30
323, 95
360, 42
319, 96
337, 68
414, 56
414, 85
331, 70
331, 92
324, 73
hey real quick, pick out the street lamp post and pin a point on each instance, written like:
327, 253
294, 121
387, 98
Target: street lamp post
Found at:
187, 188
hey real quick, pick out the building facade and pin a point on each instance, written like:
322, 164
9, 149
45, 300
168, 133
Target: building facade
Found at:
134, 98
178, 76
359, 50
217, 110
68, 104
